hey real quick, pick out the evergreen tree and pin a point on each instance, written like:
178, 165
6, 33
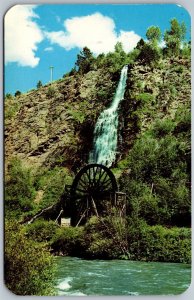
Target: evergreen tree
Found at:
17, 93
174, 37
153, 35
84, 60
39, 84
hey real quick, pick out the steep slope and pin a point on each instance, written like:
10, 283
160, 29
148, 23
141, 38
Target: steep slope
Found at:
154, 93
54, 124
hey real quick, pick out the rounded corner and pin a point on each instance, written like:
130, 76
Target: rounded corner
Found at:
8, 10
184, 8
7, 289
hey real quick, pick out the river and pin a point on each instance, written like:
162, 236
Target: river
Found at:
78, 277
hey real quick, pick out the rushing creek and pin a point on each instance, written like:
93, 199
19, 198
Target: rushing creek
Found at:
78, 277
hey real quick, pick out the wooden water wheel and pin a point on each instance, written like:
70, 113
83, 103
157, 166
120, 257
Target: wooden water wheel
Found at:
91, 192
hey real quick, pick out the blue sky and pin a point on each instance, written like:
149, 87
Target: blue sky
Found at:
37, 37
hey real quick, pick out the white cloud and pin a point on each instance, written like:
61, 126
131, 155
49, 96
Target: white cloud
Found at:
129, 39
95, 31
47, 49
22, 35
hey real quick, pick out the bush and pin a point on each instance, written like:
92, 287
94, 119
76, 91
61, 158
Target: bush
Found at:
11, 108
157, 243
29, 268
52, 182
105, 238
149, 55
51, 92
17, 93
19, 189
8, 96
68, 241
41, 230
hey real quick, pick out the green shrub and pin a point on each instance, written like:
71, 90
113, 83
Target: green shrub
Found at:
11, 108
41, 230
52, 182
145, 98
19, 189
157, 243
8, 96
149, 55
17, 93
68, 241
162, 127
29, 268
105, 238
51, 92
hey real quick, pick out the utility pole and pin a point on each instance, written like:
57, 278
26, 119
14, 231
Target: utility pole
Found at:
51, 68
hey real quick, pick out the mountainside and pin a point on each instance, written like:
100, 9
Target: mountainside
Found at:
54, 124
130, 113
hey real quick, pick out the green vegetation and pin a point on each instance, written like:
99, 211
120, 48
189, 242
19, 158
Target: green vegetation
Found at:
153, 166
51, 92
29, 268
174, 37
19, 189
39, 84
17, 93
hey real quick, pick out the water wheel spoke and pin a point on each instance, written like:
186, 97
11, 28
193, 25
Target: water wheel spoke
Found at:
107, 181
94, 181
81, 190
85, 178
103, 179
83, 183
89, 176
102, 172
94, 176
107, 186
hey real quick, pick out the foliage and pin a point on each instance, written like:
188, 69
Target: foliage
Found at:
11, 108
157, 243
52, 182
39, 84
28, 265
68, 241
78, 116
8, 96
84, 61
51, 92
102, 239
17, 93
158, 184
145, 98
114, 61
19, 189
174, 37
186, 50
41, 230
153, 35
149, 55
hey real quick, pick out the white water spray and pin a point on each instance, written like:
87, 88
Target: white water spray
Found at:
105, 132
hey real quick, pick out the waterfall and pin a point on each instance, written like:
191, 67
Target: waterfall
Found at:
105, 132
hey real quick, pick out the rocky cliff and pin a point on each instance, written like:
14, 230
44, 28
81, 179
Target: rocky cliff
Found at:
54, 124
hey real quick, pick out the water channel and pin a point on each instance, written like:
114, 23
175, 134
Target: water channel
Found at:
78, 277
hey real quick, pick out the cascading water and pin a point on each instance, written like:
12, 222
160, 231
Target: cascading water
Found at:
105, 132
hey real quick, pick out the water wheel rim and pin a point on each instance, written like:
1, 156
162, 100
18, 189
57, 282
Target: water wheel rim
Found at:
93, 178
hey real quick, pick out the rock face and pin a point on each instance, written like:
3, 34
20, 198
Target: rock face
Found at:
54, 124
154, 93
